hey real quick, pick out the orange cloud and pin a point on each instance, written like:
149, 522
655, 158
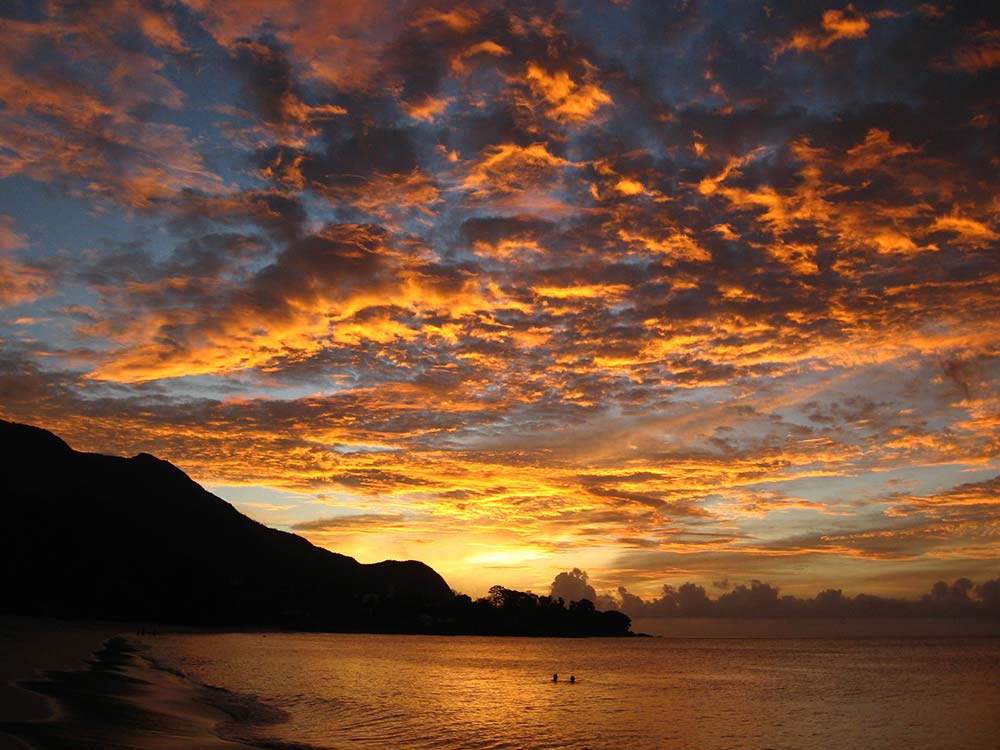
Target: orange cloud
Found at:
876, 148
836, 25
980, 50
459, 62
390, 197
967, 230
335, 41
710, 184
71, 127
9, 239
627, 186
19, 282
316, 298
428, 109
815, 201
602, 291
522, 177
571, 101
675, 245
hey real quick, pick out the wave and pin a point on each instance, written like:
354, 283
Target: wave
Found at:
247, 713
244, 708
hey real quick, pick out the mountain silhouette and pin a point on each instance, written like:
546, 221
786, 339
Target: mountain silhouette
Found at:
89, 535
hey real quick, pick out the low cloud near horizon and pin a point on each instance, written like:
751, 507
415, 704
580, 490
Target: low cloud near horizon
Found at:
757, 599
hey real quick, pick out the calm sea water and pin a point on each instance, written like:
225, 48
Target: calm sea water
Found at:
369, 692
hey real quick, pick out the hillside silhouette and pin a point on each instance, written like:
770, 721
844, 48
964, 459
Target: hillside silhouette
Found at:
88, 535
93, 536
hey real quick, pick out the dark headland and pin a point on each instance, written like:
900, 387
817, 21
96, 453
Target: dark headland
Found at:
135, 539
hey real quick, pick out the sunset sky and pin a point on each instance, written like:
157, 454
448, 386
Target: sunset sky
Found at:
666, 291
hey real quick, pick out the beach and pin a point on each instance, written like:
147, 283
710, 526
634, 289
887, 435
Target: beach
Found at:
86, 685
30, 646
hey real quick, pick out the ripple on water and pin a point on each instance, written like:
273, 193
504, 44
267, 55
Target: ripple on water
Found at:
364, 692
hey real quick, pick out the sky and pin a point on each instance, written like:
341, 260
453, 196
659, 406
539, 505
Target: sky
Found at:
664, 291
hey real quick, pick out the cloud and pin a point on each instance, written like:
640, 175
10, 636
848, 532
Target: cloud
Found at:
676, 291
20, 282
314, 281
835, 25
77, 104
360, 521
335, 41
757, 599
273, 93
979, 50
876, 148
570, 100
572, 587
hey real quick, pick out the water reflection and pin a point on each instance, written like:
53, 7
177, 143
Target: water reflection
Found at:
358, 691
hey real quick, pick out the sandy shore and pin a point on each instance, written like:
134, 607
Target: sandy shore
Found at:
30, 646
85, 686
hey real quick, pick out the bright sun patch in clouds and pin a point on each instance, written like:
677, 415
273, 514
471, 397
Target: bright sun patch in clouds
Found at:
515, 292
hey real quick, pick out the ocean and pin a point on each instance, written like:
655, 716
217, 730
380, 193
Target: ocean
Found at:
373, 692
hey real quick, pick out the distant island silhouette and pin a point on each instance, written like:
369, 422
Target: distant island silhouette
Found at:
92, 536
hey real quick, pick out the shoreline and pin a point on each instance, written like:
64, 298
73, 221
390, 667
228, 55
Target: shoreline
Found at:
30, 646
89, 686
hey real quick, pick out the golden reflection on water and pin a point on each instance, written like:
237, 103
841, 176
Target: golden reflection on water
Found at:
367, 692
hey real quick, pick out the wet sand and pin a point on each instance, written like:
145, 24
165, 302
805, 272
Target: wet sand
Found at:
87, 686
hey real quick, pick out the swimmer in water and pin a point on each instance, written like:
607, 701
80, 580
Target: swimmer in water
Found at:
555, 678
572, 678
